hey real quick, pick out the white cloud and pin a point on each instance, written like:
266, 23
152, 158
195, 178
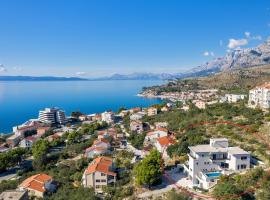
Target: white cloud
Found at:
2, 68
81, 73
206, 53
212, 53
233, 43
247, 34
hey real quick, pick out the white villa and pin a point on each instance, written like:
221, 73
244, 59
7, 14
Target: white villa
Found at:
260, 96
233, 98
107, 117
207, 162
154, 135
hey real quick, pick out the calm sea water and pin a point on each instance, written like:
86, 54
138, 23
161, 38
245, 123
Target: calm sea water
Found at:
20, 101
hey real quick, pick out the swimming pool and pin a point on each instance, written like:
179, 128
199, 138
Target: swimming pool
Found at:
213, 174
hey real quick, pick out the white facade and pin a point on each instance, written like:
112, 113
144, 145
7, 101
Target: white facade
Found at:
152, 111
260, 96
233, 98
136, 116
136, 126
154, 135
107, 117
52, 116
207, 162
27, 142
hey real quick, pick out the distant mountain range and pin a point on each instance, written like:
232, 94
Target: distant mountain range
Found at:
140, 76
238, 58
235, 59
39, 78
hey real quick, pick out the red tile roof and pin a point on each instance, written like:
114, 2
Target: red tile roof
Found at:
36, 182
166, 141
101, 164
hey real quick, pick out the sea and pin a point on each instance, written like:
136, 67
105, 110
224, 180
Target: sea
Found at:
22, 100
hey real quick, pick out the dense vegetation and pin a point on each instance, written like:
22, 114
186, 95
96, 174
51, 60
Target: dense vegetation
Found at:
254, 183
11, 158
186, 127
149, 170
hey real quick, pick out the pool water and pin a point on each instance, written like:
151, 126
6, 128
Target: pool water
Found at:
213, 174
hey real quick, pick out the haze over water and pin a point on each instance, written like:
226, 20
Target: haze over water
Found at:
20, 101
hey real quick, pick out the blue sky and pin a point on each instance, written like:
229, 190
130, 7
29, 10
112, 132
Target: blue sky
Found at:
100, 37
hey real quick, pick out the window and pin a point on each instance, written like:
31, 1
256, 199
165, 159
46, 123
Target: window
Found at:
102, 174
103, 181
98, 186
243, 166
244, 158
97, 180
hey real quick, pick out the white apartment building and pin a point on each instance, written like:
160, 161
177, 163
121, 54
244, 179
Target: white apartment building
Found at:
107, 117
52, 116
207, 162
260, 96
233, 98
137, 116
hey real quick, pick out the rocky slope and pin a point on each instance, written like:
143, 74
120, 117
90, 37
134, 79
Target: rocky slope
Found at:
239, 58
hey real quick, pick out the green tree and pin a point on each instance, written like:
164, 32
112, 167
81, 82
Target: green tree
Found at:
76, 114
11, 158
148, 171
39, 150
73, 137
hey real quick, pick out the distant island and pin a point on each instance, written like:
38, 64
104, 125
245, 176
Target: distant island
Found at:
39, 78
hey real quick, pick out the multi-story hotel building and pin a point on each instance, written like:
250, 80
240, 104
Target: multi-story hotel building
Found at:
52, 116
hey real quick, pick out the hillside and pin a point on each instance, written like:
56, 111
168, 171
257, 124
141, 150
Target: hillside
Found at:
237, 80
237, 58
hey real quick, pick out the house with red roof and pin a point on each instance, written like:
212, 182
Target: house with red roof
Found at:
100, 147
162, 144
136, 109
28, 141
152, 136
99, 173
37, 185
